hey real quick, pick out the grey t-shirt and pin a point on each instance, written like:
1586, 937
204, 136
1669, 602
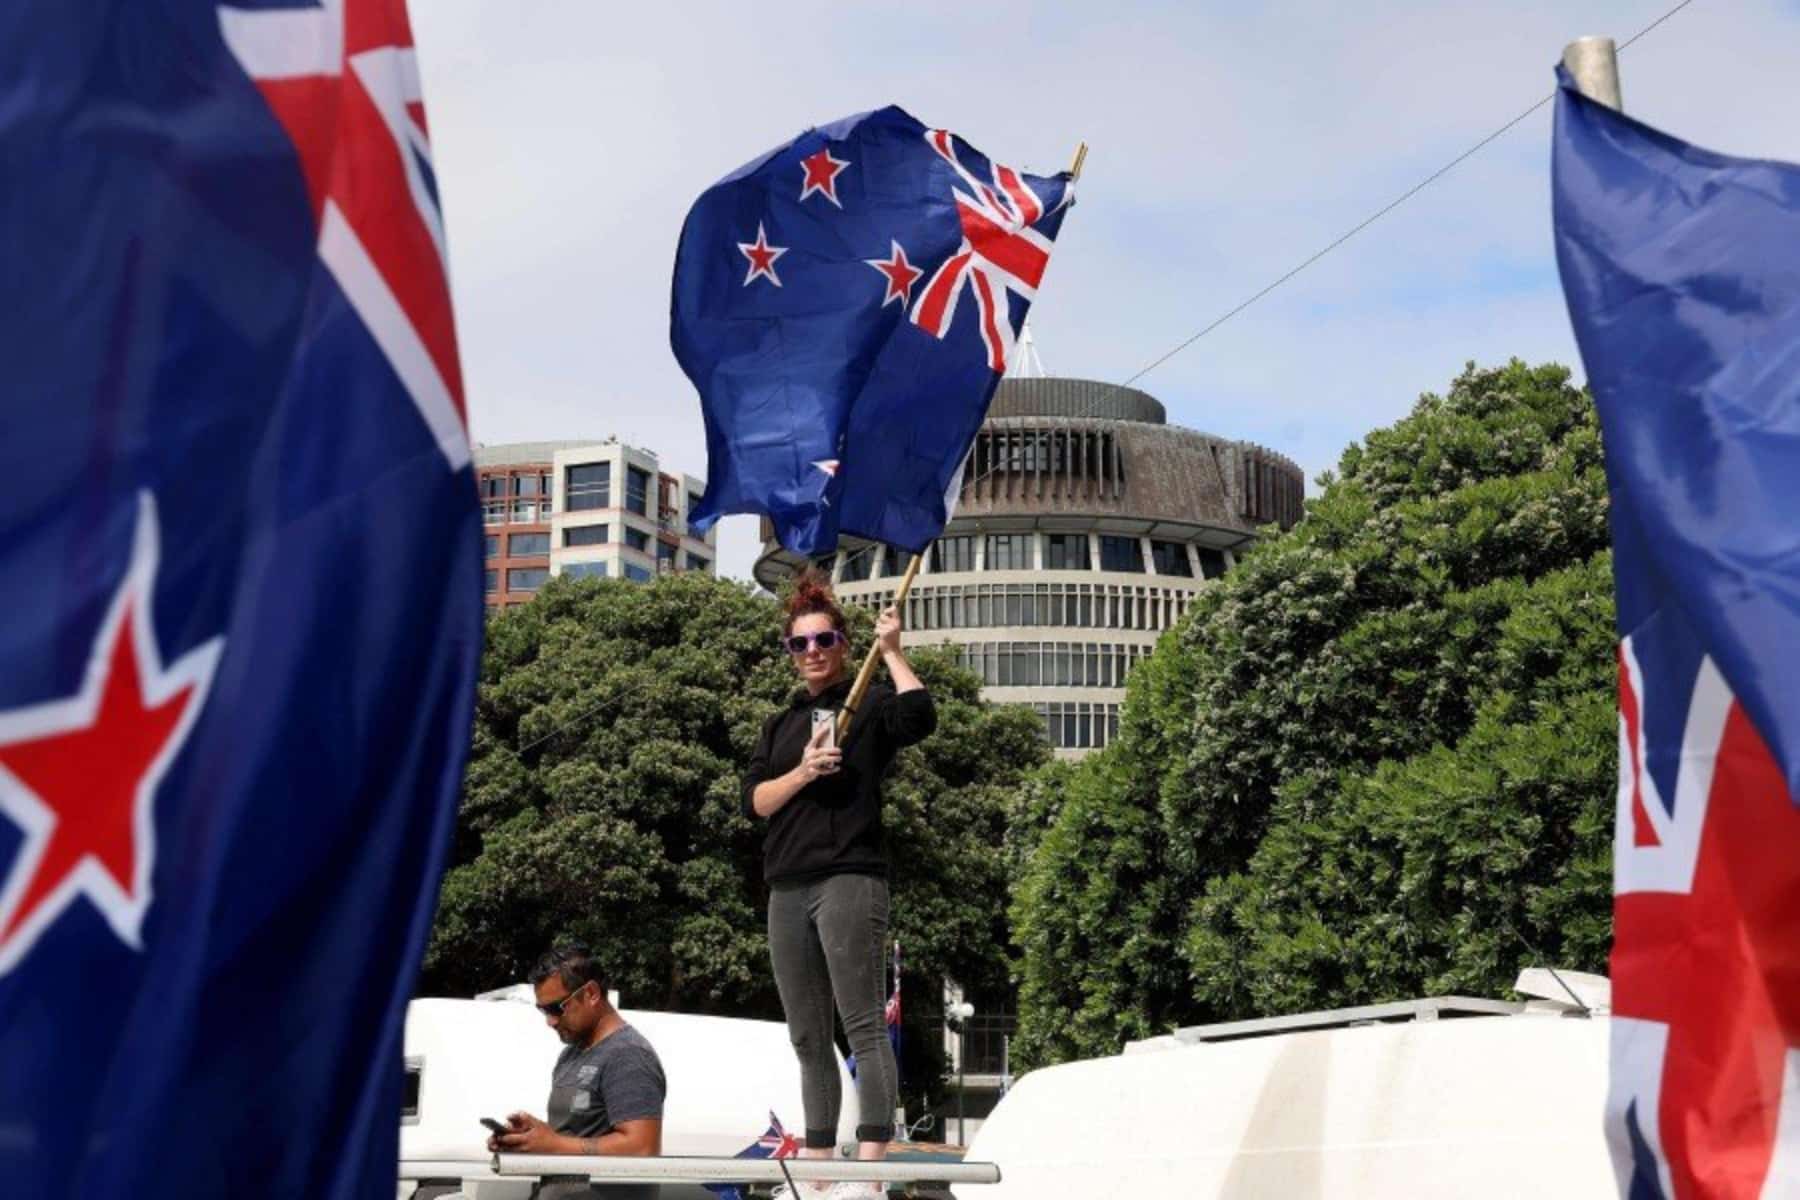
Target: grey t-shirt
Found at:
594, 1088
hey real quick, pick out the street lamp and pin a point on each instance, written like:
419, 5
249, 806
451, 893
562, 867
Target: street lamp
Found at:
958, 1015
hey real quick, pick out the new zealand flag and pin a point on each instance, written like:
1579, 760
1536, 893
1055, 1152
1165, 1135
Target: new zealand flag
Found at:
1682, 271
846, 306
239, 551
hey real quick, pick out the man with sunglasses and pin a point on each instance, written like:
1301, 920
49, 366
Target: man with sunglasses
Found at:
607, 1089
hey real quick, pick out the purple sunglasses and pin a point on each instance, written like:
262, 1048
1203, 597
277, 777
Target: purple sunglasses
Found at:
800, 643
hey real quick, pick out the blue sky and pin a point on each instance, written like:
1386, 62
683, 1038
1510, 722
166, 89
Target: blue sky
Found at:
1228, 142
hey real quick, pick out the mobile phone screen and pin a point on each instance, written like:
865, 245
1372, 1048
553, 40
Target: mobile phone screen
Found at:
828, 718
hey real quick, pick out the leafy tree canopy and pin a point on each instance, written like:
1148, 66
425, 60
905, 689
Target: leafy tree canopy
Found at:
1375, 761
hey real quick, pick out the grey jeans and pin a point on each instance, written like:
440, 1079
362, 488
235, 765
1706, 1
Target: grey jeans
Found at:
827, 943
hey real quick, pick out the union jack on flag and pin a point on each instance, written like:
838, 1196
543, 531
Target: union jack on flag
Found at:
1682, 272
1002, 250
342, 77
776, 1143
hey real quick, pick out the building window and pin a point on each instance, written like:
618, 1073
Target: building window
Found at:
637, 539
1066, 552
666, 551
525, 485
636, 573
1078, 725
1072, 605
698, 562
585, 535
1212, 563
493, 486
1121, 554
525, 512
526, 579
492, 581
637, 491
693, 502
490, 545
893, 562
1170, 558
858, 564
524, 545
1009, 552
587, 486
493, 514
953, 554
585, 570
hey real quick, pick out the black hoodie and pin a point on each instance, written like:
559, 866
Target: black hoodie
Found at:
832, 825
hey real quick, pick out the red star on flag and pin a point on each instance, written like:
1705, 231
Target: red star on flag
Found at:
822, 171
79, 775
762, 258
901, 275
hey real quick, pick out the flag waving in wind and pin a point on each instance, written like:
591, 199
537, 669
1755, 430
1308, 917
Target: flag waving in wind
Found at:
846, 306
1682, 272
239, 549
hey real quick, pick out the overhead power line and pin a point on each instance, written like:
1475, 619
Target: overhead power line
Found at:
1381, 212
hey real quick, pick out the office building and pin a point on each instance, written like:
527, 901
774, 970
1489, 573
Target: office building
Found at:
583, 508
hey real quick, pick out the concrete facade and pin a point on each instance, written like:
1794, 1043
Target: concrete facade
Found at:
1084, 528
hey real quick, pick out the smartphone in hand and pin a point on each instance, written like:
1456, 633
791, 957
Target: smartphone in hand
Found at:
826, 717
496, 1127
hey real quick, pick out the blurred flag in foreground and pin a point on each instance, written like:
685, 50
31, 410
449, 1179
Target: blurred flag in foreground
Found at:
239, 551
1682, 272
891, 1012
846, 305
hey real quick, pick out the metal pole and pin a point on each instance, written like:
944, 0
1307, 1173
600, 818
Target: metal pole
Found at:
962, 1071
1594, 64
680, 1169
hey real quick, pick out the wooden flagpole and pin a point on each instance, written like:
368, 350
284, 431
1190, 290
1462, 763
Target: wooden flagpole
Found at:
868, 668
867, 673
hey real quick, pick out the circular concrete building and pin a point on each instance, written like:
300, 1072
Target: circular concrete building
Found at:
1085, 526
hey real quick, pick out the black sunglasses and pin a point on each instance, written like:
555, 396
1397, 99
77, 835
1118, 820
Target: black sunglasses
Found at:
824, 640
555, 1007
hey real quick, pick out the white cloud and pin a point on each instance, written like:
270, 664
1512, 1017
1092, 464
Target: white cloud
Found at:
1228, 143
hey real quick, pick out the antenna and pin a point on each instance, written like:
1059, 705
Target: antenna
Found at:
1025, 362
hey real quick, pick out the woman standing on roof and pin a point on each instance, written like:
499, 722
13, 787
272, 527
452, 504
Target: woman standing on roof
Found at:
826, 867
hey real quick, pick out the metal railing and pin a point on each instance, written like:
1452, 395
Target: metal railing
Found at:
686, 1169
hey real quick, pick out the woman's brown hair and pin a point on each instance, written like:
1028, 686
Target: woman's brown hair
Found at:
811, 593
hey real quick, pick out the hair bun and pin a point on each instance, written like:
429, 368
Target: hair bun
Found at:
811, 593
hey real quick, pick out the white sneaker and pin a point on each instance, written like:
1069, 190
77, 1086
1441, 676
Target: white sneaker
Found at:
856, 1190
800, 1191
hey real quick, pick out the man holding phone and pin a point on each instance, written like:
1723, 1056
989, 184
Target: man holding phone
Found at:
607, 1089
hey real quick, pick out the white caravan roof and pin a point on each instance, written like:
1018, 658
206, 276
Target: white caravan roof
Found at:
1494, 1106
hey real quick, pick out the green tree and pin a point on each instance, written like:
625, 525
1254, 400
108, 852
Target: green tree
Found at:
1372, 761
